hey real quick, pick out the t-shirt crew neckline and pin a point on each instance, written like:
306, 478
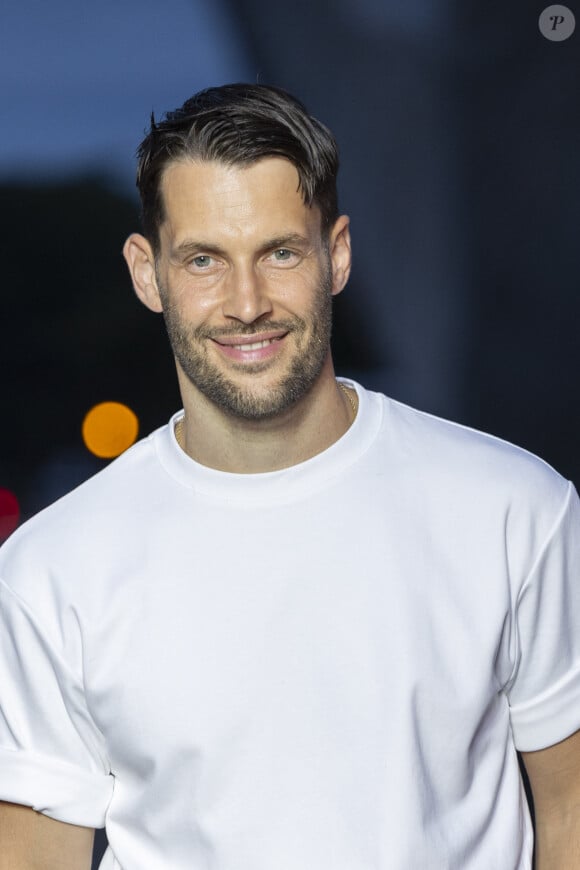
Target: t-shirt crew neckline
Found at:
287, 484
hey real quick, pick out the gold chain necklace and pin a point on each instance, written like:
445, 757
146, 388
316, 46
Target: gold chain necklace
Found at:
178, 430
349, 397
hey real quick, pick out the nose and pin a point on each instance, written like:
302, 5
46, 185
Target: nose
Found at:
247, 298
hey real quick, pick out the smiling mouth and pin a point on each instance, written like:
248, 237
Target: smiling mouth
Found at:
251, 348
249, 341
255, 345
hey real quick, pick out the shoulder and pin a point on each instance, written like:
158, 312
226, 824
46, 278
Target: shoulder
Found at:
103, 490
83, 524
458, 460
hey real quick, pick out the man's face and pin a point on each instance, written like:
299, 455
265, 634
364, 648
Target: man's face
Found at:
245, 280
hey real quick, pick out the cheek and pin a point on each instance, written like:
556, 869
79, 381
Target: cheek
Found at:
194, 300
202, 306
297, 291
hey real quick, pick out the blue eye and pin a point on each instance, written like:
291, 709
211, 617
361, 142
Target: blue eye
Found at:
282, 254
201, 261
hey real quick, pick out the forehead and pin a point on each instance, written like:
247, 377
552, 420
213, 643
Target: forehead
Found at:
256, 198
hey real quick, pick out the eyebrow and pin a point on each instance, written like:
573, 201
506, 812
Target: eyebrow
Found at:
193, 246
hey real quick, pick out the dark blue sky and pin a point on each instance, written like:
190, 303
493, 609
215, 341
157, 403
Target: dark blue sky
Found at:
79, 79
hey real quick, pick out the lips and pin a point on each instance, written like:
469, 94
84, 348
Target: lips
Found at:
250, 348
248, 341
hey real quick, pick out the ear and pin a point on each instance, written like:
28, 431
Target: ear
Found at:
340, 255
140, 259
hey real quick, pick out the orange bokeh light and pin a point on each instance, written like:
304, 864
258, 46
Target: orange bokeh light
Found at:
109, 428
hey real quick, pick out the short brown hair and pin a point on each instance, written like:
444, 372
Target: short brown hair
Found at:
236, 124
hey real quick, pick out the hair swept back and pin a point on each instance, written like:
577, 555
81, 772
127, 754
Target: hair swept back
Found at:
239, 124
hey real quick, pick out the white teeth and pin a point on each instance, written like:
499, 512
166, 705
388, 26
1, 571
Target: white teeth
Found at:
256, 345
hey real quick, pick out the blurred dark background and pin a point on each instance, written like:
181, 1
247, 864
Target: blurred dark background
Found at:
459, 132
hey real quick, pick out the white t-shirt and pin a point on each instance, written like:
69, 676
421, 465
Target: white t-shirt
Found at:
327, 667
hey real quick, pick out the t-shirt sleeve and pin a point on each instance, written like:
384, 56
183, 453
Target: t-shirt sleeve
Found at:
544, 695
52, 756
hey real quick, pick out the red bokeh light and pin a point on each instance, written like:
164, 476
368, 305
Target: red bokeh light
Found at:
9, 513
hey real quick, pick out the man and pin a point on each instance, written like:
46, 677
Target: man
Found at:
302, 627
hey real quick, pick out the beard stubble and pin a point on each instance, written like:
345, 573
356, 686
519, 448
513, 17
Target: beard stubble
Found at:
312, 339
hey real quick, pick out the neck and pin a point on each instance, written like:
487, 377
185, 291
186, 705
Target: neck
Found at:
231, 444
